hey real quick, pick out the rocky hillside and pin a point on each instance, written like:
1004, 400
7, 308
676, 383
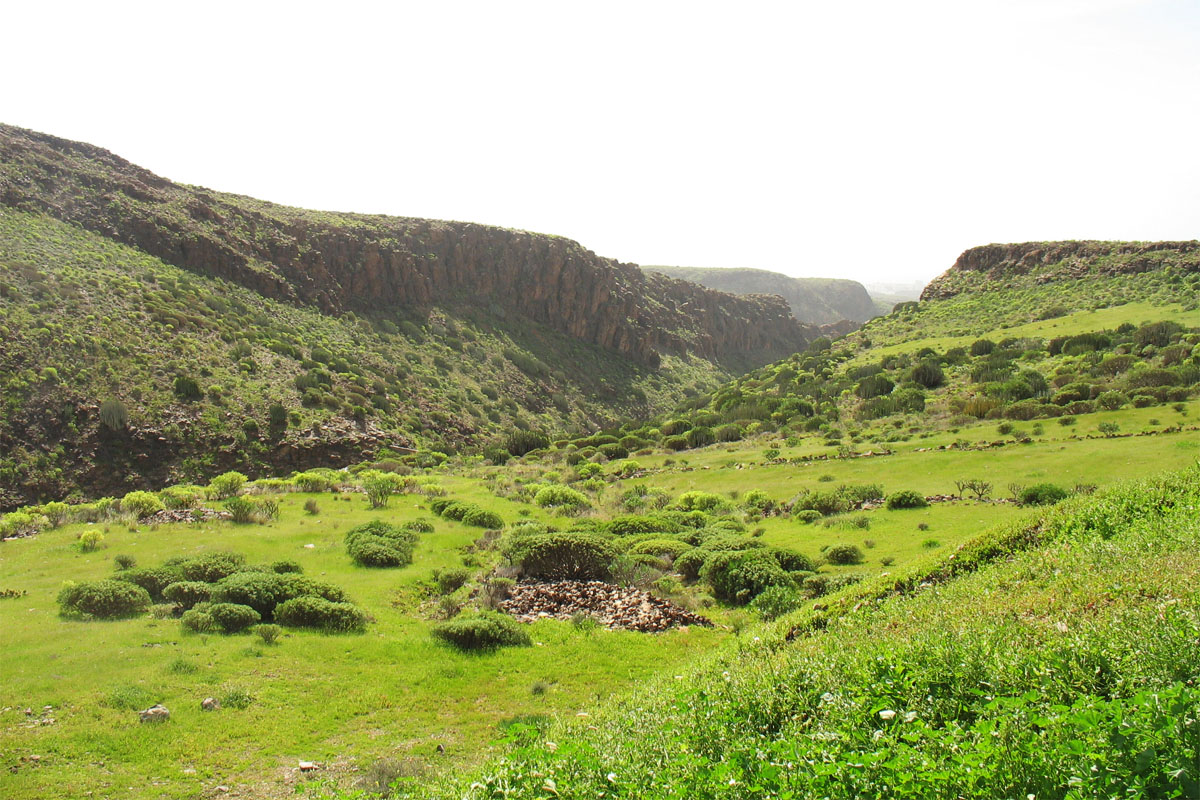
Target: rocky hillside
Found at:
1006, 265
353, 262
818, 301
230, 333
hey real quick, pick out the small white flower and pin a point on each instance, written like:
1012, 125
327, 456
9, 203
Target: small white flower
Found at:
887, 714
827, 697
612, 777
910, 716
551, 746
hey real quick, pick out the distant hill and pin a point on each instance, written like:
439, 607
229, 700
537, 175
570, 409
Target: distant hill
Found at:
818, 301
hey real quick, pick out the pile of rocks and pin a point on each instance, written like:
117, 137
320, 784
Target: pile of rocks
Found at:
186, 515
612, 606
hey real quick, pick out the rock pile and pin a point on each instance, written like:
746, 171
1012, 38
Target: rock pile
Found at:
612, 606
186, 515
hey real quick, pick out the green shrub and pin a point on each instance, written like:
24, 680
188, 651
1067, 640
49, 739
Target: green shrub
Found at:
675, 443
670, 548
790, 560
561, 497
775, 601
241, 509
1111, 401
906, 499
519, 443
378, 544
104, 599
286, 567
701, 501
613, 451
485, 630
268, 632
90, 540
233, 617
316, 612
124, 561
211, 567
187, 594
1042, 494
114, 415
153, 579
312, 482
481, 518
844, 554
261, 591
450, 580
632, 524
186, 388
197, 620
740, 576
141, 504
226, 485
806, 516
556, 556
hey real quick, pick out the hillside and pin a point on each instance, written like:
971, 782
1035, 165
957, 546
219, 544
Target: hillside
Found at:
876, 591
819, 301
236, 333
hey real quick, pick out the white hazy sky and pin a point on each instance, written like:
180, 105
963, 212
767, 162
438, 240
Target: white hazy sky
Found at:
872, 139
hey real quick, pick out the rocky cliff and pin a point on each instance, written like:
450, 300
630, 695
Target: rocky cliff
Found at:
342, 262
818, 301
1045, 262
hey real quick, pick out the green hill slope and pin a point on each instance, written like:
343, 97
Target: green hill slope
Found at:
819, 301
1052, 658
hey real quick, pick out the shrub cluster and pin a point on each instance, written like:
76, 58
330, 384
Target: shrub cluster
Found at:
466, 513
484, 630
379, 544
103, 599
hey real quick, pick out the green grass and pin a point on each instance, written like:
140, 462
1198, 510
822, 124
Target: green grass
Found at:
390, 692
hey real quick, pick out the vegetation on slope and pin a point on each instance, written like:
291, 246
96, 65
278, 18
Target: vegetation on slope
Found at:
202, 376
1060, 661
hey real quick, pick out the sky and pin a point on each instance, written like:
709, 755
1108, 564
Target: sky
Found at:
872, 140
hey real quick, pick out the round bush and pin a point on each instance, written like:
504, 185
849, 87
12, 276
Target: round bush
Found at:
790, 560
106, 599
633, 524
844, 554
485, 630
212, 567
286, 567
141, 504
226, 485
558, 556
481, 518
198, 621
906, 499
675, 443
153, 579
740, 576
233, 617
701, 501
806, 516
378, 544
560, 497
261, 591
315, 612
1042, 494
187, 594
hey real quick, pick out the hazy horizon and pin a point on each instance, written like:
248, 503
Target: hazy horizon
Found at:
870, 140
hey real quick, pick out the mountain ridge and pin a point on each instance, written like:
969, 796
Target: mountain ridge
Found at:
342, 262
818, 301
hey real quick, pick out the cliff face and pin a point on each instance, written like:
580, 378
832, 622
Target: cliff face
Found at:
341, 262
818, 301
1046, 262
